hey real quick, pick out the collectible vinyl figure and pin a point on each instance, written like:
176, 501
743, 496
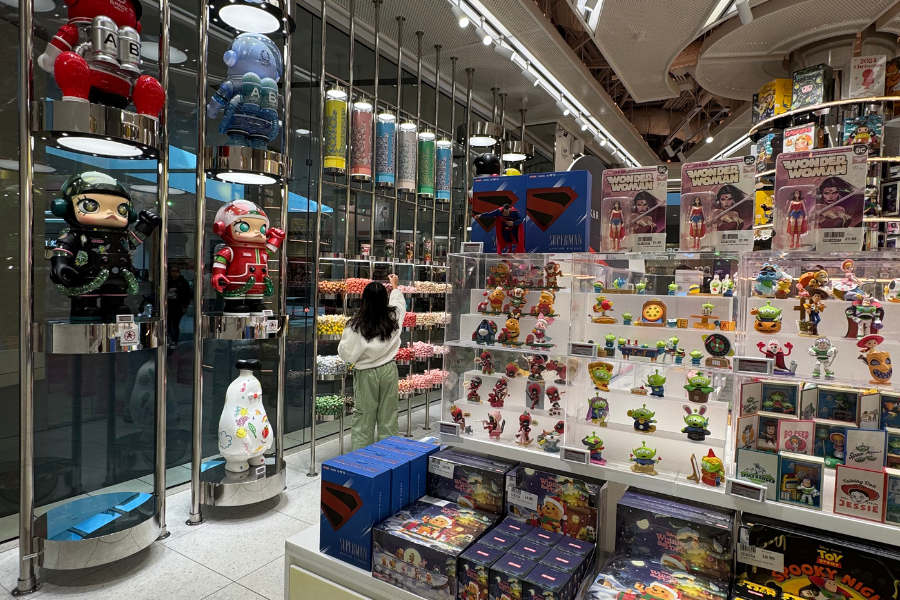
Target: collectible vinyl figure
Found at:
96, 57
696, 423
814, 309
487, 363
516, 302
544, 305
768, 318
244, 431
549, 441
824, 353
494, 303
598, 411
797, 224
656, 382
509, 336
508, 221
485, 333
522, 437
766, 279
775, 351
472, 395
499, 393
616, 225
699, 388
552, 273
534, 395
241, 268
91, 261
459, 418
698, 223
864, 316
644, 459
553, 395
712, 469
878, 361
595, 446
538, 336
494, 424
601, 306
643, 419
695, 355
250, 93
600, 373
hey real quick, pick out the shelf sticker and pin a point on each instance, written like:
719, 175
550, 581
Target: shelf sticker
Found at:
581, 349
446, 428
477, 247
575, 455
522, 498
440, 467
745, 490
268, 313
752, 365
272, 326
760, 557
124, 318
128, 334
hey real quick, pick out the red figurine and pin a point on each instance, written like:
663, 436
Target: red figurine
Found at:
240, 269
498, 395
616, 225
494, 424
96, 56
776, 352
698, 223
797, 223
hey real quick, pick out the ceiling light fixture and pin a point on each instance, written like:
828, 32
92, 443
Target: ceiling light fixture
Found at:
709, 139
246, 178
563, 108
581, 124
744, 12
600, 139
98, 146
504, 50
462, 19
528, 75
483, 34
249, 18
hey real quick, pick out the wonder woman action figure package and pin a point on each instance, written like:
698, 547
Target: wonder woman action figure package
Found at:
717, 204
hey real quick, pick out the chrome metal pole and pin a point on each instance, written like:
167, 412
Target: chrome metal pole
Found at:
27, 582
470, 74
415, 233
502, 118
522, 112
453, 61
400, 21
377, 4
349, 138
318, 237
162, 284
437, 113
286, 133
196, 515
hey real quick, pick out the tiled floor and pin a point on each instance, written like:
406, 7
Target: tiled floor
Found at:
236, 554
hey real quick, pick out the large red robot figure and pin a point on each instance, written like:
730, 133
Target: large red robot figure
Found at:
96, 56
240, 268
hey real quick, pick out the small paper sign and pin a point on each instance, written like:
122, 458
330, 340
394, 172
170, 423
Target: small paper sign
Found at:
440, 467
761, 557
272, 326
268, 313
751, 365
128, 334
745, 490
575, 455
522, 498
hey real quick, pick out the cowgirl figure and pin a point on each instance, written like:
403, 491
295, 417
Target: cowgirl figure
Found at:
698, 223
797, 225
616, 225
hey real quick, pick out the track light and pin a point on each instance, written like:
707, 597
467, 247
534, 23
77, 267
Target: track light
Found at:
528, 75
504, 51
483, 34
580, 122
460, 15
600, 139
563, 108
744, 12
709, 138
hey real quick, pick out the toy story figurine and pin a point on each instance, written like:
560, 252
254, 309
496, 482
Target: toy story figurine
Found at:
549, 441
249, 95
850, 285
824, 353
600, 373
672, 287
626, 318
553, 395
472, 393
644, 460
498, 395
680, 354
643, 419
699, 388
727, 287
91, 260
814, 309
96, 57
240, 269
516, 302
509, 336
609, 345
698, 223
892, 291
459, 418
544, 305
601, 306
552, 273
616, 225
538, 336
715, 286
598, 411
878, 361
595, 446
768, 318
494, 303
487, 363
522, 437
695, 355
485, 333
797, 224
656, 382
766, 280
807, 492
641, 286
494, 424
712, 469
696, 423
864, 316
775, 351
815, 280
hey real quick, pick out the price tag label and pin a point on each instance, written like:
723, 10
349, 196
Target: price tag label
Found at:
472, 247
575, 455
760, 557
448, 428
440, 467
128, 334
272, 326
751, 365
124, 318
268, 313
522, 498
745, 490
582, 349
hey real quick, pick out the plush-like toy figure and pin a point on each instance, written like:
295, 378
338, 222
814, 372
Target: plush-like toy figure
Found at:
240, 268
92, 257
250, 94
96, 56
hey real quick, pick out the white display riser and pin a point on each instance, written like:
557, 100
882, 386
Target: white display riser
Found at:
680, 487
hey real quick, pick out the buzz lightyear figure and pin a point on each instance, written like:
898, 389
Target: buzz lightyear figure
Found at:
807, 491
824, 353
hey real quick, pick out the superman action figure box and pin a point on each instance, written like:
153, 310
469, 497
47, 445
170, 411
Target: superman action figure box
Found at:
499, 207
563, 214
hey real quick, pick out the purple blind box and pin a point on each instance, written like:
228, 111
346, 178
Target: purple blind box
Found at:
573, 546
562, 561
530, 550
473, 481
545, 583
507, 575
542, 536
399, 466
473, 570
500, 540
514, 527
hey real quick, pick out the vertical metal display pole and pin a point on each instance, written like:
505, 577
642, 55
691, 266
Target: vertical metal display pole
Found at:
347, 203
470, 74
400, 21
27, 582
522, 112
285, 226
375, 113
196, 515
162, 188
453, 61
437, 113
415, 233
318, 236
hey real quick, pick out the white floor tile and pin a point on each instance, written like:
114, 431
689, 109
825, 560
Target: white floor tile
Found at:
234, 592
267, 581
302, 503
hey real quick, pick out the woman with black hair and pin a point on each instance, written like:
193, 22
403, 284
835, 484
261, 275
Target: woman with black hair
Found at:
727, 198
370, 342
644, 221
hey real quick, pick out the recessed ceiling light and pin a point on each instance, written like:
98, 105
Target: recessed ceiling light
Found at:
246, 178
98, 146
302, 131
150, 51
478, 141
249, 18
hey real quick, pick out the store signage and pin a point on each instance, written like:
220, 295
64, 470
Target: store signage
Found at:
752, 365
128, 334
745, 490
477, 247
575, 455
272, 326
268, 313
582, 349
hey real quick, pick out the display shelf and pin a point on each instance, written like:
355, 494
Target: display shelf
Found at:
224, 488
772, 121
241, 164
322, 377
680, 487
222, 327
91, 128
96, 530
65, 337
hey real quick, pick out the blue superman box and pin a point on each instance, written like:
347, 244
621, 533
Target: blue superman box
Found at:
355, 496
399, 466
489, 194
562, 215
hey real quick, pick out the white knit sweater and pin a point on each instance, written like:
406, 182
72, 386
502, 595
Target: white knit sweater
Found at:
368, 354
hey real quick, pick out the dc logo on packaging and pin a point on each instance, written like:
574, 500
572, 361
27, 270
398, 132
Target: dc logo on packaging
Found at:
860, 150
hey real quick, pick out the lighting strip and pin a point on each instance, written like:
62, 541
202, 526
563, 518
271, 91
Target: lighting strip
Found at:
734, 147
478, 14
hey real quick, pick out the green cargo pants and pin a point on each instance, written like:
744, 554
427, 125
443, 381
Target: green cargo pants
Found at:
375, 398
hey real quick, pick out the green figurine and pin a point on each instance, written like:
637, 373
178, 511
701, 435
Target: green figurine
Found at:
656, 382
644, 459
672, 288
626, 318
610, 345
641, 286
695, 355
699, 388
643, 419
595, 446
696, 424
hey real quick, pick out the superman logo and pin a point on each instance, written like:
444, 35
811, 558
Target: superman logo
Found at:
546, 205
483, 202
339, 504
